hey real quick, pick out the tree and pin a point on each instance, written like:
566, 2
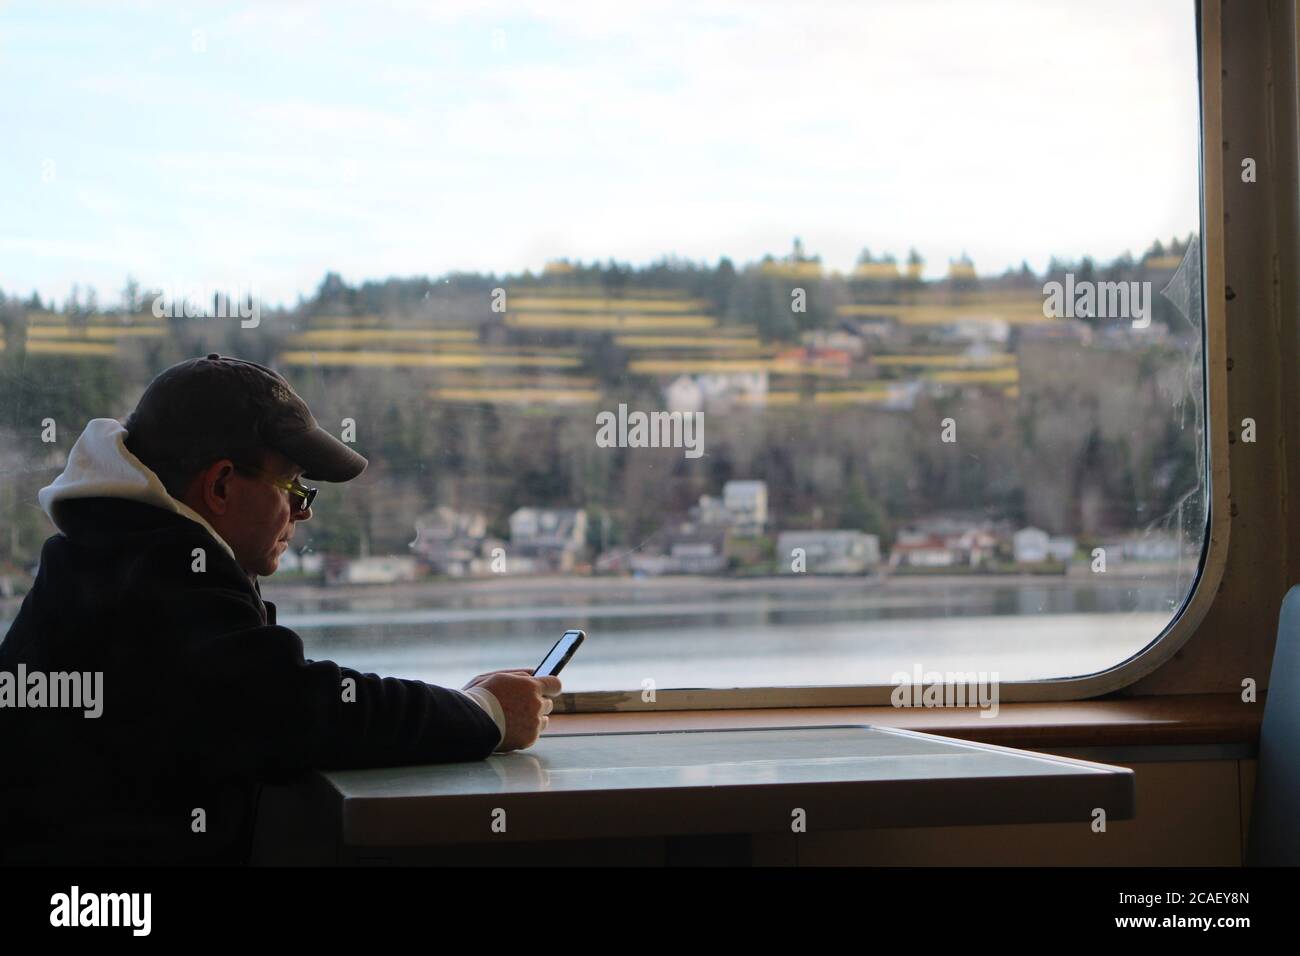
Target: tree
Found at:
860, 511
131, 296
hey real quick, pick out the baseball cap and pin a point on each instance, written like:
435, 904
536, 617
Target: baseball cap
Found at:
218, 406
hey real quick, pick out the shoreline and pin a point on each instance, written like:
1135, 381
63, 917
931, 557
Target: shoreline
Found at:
610, 585
680, 584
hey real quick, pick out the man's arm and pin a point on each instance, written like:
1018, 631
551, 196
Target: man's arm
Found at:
254, 703
287, 714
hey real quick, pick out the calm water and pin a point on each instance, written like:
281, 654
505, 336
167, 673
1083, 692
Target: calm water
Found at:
684, 633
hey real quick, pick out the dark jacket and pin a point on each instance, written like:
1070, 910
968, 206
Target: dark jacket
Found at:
204, 699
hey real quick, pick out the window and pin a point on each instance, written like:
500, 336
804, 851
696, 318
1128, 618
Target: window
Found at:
772, 345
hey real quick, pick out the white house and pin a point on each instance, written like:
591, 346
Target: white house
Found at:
1033, 546
715, 390
683, 394
827, 552
1029, 545
742, 508
746, 501
383, 569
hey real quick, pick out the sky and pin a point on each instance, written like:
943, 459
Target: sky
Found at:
258, 146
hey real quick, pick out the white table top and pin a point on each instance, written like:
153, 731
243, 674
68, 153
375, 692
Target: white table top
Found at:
575, 786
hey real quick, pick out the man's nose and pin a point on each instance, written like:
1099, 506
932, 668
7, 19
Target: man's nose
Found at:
300, 515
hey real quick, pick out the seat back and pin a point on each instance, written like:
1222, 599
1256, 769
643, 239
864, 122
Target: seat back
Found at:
1274, 823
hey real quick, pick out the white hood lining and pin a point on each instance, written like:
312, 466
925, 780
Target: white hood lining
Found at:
101, 466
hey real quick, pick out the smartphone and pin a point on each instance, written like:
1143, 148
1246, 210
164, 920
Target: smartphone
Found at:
553, 662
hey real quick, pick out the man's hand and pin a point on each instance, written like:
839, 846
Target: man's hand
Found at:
482, 677
525, 700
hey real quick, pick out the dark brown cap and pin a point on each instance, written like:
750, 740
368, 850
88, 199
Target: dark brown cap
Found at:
215, 407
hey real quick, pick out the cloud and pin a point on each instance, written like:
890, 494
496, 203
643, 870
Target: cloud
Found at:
396, 138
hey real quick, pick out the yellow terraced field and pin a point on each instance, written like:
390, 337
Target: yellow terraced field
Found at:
61, 347
608, 321
517, 396
425, 360
679, 366
777, 399
734, 366
686, 342
999, 376
348, 321
534, 303
542, 380
95, 332
1015, 312
771, 399
345, 337
598, 292
864, 397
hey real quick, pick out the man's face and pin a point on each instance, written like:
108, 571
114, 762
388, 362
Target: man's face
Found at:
259, 520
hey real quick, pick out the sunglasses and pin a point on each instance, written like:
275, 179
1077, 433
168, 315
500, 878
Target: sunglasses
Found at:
295, 488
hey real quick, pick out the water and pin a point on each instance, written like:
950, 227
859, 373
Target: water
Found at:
694, 633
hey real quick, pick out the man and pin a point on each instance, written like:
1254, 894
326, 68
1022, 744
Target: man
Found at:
166, 523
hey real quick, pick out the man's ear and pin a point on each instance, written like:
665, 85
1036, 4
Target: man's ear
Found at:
214, 487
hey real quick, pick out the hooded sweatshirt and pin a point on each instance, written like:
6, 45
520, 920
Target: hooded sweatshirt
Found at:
145, 695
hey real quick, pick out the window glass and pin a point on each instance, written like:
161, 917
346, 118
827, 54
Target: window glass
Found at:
770, 344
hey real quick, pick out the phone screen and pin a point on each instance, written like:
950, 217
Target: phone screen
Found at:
560, 654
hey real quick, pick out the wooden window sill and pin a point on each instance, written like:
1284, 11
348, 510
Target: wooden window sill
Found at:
1107, 722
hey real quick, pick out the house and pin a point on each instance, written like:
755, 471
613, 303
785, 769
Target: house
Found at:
382, 569
837, 340
715, 391
946, 541
1034, 546
747, 502
685, 548
684, 394
902, 396
742, 508
974, 546
547, 539
809, 359
1029, 545
827, 552
986, 330
921, 550
877, 329
450, 542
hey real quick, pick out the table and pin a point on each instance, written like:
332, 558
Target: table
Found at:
675, 784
